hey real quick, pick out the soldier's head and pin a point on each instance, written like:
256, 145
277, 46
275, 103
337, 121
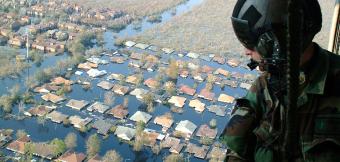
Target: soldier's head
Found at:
261, 25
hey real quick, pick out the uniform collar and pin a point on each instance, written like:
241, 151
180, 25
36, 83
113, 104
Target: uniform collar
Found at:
318, 72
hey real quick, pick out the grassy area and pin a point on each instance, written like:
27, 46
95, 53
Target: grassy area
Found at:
207, 29
139, 8
9, 64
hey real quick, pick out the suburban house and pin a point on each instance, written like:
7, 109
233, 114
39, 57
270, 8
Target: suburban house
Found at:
125, 133
206, 94
217, 153
56, 116
177, 101
186, 127
52, 97
187, 90
226, 98
199, 152
165, 121
71, 156
119, 112
141, 116
151, 83
197, 104
206, 131
102, 126
121, 90
79, 122
40, 110
139, 92
77, 104
99, 107
19, 145
105, 85
217, 109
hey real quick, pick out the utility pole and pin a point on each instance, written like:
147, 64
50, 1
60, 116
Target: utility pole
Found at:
294, 51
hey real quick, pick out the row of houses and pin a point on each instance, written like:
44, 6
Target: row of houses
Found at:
44, 150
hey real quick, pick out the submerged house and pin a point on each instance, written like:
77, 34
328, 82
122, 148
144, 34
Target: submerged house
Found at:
206, 94
52, 97
217, 153
119, 112
87, 65
44, 150
187, 90
40, 110
71, 156
197, 104
177, 101
125, 133
121, 90
142, 46
186, 127
165, 121
98, 106
19, 145
61, 81
245, 86
96, 73
118, 59
102, 126
206, 131
217, 109
77, 104
46, 88
199, 152
79, 122
139, 92
151, 83
140, 116
167, 50
233, 62
221, 71
226, 98
56, 116
105, 85
129, 43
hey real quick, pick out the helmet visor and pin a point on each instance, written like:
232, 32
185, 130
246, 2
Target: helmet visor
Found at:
243, 33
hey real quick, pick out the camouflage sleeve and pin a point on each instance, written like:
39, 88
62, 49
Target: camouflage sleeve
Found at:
238, 134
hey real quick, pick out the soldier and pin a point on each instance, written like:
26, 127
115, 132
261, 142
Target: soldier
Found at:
257, 125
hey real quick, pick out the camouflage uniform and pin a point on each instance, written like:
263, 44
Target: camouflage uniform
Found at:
254, 132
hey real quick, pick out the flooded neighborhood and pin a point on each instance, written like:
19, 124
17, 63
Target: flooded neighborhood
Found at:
81, 83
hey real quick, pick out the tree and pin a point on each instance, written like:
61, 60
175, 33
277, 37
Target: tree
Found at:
59, 146
92, 145
170, 88
148, 100
28, 150
172, 69
139, 140
174, 158
112, 156
71, 140
21, 133
109, 98
126, 102
6, 103
213, 123
41, 120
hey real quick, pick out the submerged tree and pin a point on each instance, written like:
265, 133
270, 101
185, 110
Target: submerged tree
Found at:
92, 145
174, 158
59, 146
21, 133
172, 70
71, 140
109, 98
112, 156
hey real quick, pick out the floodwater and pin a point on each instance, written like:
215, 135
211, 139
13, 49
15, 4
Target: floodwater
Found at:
51, 130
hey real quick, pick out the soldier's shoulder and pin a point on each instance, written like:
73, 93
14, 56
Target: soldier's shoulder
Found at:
333, 76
